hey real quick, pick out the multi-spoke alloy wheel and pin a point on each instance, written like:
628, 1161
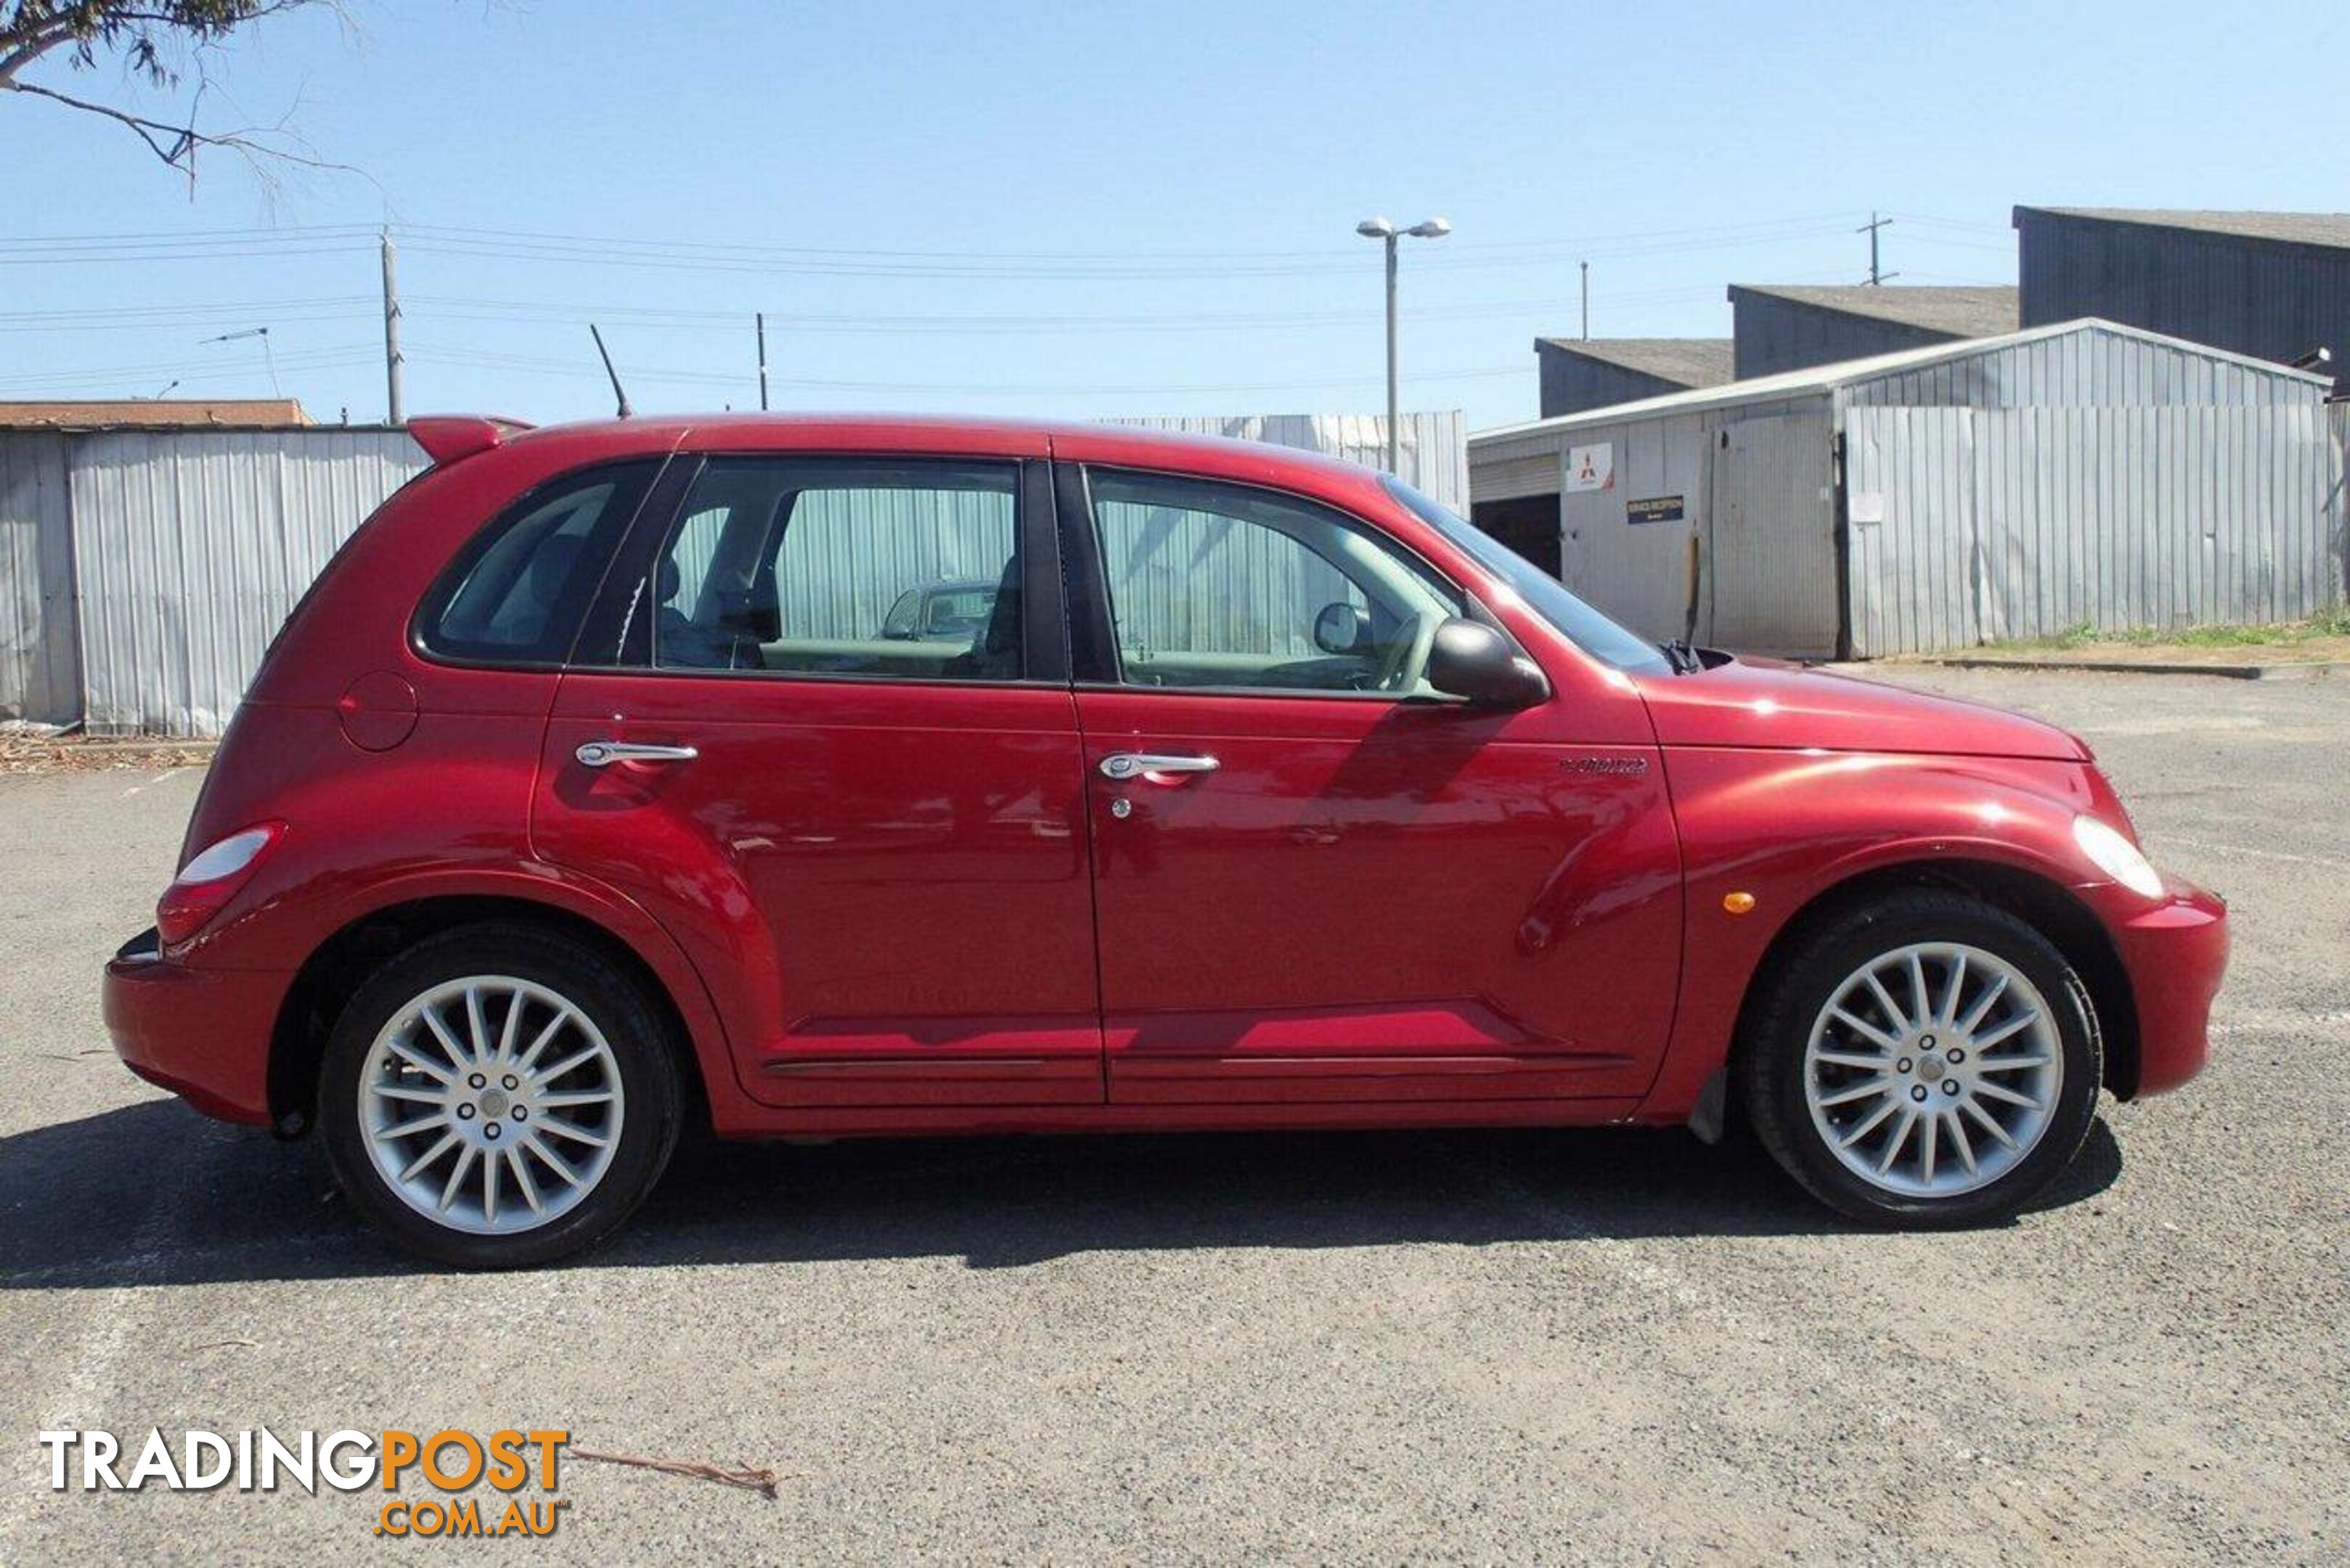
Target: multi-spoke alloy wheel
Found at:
1920, 1057
491, 1103
1933, 1069
499, 1095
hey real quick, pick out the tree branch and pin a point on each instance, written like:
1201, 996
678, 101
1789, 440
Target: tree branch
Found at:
180, 151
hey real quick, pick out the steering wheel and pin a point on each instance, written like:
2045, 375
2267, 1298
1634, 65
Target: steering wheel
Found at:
1400, 671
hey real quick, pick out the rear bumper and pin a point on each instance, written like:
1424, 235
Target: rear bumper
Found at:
2176, 954
202, 1034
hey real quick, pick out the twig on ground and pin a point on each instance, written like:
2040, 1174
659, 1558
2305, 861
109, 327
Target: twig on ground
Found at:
760, 1481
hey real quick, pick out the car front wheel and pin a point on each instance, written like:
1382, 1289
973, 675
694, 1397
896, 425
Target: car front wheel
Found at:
494, 1097
1926, 1060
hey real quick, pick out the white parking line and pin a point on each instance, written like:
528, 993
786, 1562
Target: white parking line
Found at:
2206, 844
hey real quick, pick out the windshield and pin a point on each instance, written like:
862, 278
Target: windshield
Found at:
1543, 594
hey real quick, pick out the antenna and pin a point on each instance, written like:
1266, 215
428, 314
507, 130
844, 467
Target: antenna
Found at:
619, 391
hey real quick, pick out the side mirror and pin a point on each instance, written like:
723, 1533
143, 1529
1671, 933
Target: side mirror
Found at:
1342, 627
1469, 659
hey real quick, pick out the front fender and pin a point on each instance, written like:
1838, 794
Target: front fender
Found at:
1787, 829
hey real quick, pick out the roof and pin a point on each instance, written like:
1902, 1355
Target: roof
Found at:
1964, 312
1684, 361
936, 435
154, 413
1818, 379
2328, 229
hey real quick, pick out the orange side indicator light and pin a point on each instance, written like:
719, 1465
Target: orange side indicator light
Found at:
1738, 903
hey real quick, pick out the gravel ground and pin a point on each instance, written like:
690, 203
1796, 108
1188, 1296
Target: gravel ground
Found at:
1613, 1346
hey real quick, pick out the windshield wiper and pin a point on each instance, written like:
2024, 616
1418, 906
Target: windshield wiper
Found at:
1683, 656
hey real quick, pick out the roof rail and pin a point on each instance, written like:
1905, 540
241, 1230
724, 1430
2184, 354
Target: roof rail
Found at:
449, 438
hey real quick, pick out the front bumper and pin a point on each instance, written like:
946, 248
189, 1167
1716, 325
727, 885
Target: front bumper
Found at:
202, 1034
2176, 954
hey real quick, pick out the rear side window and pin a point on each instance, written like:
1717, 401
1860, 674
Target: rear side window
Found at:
891, 568
515, 594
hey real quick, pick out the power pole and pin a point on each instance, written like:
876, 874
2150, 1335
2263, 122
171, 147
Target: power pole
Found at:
760, 319
1587, 300
1876, 275
397, 401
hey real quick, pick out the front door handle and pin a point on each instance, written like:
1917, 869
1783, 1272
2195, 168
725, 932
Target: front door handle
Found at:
1154, 764
604, 753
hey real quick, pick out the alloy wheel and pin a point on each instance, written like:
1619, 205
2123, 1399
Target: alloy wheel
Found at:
491, 1105
1933, 1070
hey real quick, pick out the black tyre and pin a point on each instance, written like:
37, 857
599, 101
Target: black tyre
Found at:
498, 1096
1922, 1060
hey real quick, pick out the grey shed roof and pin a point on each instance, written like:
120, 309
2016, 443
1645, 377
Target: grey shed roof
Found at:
2328, 229
1965, 312
1820, 378
1684, 361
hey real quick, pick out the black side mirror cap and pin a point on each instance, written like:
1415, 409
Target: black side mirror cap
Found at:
1470, 660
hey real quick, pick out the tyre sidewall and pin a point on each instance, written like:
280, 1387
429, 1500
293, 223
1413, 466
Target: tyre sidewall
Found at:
640, 1046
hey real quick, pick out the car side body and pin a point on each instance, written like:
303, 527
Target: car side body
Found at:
923, 903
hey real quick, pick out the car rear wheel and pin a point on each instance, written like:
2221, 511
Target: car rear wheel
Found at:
496, 1096
1925, 1060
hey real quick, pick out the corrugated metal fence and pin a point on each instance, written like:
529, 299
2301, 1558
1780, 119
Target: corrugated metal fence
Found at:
40, 663
1431, 449
193, 548
2029, 522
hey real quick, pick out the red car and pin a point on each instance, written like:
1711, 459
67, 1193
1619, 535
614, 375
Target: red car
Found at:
587, 792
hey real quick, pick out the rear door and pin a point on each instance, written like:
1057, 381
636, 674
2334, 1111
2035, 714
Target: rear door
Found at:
871, 844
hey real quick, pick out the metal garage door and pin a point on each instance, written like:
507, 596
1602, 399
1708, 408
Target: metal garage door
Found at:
1771, 538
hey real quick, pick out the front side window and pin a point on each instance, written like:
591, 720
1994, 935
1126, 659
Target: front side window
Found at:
1224, 586
1543, 594
905, 569
515, 595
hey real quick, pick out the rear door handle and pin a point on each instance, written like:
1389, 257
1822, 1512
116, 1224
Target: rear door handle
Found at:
604, 753
1150, 764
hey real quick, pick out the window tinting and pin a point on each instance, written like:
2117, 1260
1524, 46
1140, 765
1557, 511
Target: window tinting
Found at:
1219, 585
899, 569
517, 591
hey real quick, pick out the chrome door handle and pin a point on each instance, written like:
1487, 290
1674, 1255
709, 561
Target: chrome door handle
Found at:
1144, 765
604, 753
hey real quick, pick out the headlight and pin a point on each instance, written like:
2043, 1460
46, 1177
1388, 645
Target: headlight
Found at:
2117, 857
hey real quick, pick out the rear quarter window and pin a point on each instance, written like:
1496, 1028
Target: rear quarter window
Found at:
515, 592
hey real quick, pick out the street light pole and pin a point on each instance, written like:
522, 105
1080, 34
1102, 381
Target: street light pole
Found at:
1381, 230
1395, 398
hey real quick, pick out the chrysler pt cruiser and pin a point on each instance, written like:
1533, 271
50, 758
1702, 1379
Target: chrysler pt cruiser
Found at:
588, 793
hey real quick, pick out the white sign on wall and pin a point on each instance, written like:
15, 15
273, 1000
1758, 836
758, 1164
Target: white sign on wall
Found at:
1591, 467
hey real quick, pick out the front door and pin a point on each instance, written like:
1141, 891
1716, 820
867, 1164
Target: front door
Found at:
866, 827
1315, 878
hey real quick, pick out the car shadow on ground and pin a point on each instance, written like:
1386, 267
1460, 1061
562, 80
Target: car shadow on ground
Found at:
152, 1194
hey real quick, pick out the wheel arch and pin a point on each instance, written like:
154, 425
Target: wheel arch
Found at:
2041, 902
337, 966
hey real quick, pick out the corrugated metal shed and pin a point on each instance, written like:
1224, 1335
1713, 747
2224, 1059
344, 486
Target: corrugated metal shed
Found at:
40, 661
1779, 327
2011, 487
193, 548
1433, 448
2273, 285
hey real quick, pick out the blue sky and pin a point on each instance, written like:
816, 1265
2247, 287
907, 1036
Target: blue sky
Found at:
1092, 211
